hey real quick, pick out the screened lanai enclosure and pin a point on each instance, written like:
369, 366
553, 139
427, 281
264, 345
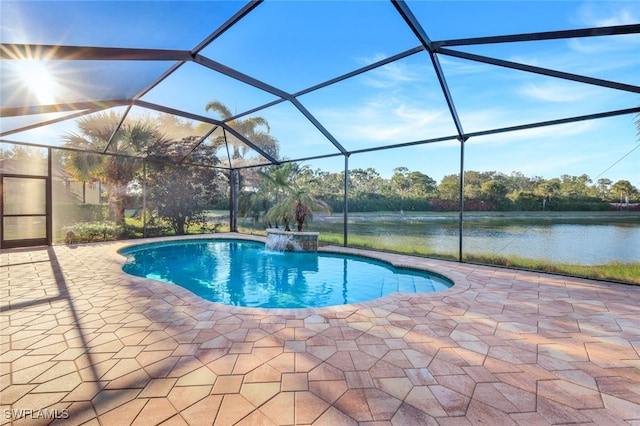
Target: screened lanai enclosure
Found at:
492, 132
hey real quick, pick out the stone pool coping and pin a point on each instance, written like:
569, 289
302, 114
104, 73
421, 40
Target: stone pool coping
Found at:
396, 260
83, 340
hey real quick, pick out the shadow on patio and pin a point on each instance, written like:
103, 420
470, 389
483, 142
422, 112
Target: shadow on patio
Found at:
84, 340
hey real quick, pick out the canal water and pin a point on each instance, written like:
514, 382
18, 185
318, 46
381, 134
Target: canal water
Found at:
576, 241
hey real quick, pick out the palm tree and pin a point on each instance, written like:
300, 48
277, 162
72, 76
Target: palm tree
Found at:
625, 189
297, 205
255, 129
269, 188
293, 198
115, 171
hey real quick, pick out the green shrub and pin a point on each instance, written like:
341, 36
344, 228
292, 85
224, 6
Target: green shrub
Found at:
88, 232
156, 227
380, 204
584, 204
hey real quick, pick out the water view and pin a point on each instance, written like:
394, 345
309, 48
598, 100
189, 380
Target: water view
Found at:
581, 240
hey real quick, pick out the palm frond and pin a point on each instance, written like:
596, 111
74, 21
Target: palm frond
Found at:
220, 108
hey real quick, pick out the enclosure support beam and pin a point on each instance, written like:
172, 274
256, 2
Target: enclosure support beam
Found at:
49, 197
205, 119
23, 51
318, 125
144, 198
227, 25
426, 42
345, 206
200, 142
217, 33
117, 128
55, 108
461, 195
233, 200
542, 71
548, 35
47, 122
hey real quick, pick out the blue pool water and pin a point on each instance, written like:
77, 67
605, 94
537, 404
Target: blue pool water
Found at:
243, 273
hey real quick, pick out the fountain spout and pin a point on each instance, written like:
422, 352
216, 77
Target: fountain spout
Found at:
278, 240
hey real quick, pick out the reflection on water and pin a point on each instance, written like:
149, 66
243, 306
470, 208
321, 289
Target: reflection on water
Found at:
244, 274
562, 243
576, 243
581, 242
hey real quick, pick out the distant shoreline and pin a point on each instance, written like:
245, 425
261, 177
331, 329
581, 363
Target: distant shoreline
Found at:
612, 215
632, 216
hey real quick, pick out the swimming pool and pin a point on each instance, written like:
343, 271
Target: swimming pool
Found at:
243, 273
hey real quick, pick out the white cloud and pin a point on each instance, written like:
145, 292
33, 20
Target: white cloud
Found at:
554, 92
601, 14
533, 61
385, 120
456, 66
395, 74
490, 119
390, 75
605, 45
554, 133
403, 123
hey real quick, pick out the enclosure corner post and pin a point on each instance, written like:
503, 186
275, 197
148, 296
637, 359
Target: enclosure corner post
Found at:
345, 206
49, 197
144, 198
461, 196
234, 184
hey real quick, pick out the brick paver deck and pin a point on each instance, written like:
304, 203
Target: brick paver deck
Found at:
86, 343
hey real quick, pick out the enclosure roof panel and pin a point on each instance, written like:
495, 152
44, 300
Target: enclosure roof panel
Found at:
293, 45
269, 81
47, 82
137, 24
192, 86
462, 19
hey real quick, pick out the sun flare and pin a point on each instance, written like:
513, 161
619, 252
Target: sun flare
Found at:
38, 78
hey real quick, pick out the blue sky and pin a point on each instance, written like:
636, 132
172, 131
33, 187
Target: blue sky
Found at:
294, 44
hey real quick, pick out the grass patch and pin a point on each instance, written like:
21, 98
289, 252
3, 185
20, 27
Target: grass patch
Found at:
249, 231
364, 242
627, 272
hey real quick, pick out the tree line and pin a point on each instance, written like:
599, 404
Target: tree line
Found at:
409, 190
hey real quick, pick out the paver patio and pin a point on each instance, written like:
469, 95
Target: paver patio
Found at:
86, 343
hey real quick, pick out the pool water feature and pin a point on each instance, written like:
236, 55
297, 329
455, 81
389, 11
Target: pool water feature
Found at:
243, 273
280, 240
